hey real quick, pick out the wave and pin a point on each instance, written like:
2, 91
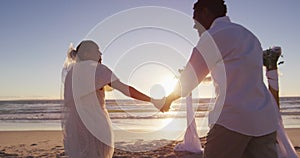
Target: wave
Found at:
45, 110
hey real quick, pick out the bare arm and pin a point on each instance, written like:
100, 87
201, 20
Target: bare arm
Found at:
129, 91
273, 91
270, 59
275, 95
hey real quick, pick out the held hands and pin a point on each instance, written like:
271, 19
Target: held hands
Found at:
163, 104
158, 103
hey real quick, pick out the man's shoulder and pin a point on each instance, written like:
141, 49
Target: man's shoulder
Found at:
230, 31
226, 28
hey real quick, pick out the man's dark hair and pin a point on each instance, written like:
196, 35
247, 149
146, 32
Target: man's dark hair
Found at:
217, 7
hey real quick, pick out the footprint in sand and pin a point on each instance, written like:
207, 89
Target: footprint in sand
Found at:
33, 145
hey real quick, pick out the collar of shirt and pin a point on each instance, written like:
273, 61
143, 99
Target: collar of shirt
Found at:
220, 20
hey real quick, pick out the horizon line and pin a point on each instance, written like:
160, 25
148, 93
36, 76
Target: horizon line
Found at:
10, 98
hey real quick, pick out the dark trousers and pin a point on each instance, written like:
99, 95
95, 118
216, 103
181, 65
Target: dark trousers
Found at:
224, 143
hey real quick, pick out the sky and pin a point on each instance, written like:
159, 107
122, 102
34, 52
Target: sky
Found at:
35, 35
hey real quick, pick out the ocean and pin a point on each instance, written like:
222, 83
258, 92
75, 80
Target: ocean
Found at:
131, 119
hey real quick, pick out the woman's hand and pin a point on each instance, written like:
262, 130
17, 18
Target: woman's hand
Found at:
163, 104
158, 103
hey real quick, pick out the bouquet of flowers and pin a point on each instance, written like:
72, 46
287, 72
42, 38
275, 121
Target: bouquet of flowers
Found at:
271, 56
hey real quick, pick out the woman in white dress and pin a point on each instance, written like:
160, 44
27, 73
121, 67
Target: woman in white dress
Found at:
285, 147
86, 124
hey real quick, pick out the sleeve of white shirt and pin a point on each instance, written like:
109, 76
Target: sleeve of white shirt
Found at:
203, 59
104, 76
194, 72
209, 50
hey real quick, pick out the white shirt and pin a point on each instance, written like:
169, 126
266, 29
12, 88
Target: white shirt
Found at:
233, 56
90, 77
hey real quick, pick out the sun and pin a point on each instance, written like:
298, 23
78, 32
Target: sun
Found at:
164, 87
168, 83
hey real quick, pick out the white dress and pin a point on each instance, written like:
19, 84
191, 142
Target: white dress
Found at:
284, 147
86, 123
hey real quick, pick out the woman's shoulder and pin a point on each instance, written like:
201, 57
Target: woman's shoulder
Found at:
103, 69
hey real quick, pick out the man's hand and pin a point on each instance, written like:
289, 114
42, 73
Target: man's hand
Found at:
158, 103
167, 105
163, 104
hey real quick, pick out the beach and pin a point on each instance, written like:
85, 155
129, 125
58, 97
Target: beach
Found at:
30, 144
32, 128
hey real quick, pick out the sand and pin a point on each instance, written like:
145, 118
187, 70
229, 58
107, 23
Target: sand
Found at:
30, 144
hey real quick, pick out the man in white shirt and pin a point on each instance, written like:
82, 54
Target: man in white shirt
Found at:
243, 121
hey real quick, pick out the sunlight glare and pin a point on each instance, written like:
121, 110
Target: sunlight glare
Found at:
168, 83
